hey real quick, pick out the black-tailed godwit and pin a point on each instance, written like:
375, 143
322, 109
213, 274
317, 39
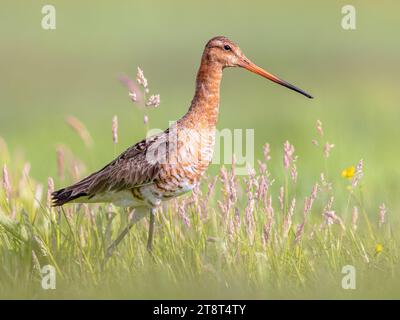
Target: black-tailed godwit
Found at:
171, 163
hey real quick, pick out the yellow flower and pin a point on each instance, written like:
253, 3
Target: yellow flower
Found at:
378, 248
349, 172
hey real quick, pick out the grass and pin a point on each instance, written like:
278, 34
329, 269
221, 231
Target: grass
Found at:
234, 237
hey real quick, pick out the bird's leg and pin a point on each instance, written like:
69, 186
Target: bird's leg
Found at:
115, 243
135, 218
151, 229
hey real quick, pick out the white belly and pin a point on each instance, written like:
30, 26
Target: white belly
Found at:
120, 199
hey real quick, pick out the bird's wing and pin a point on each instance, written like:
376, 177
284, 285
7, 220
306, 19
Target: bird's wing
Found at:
133, 168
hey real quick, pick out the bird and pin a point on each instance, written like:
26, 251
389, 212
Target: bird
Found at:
171, 163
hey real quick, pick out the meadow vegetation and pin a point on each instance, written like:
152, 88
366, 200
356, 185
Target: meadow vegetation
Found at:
232, 237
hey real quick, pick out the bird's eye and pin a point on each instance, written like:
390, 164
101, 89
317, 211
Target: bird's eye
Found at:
227, 47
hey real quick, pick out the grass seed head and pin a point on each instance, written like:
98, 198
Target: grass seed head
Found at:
154, 101
327, 149
140, 78
382, 214
6, 183
133, 96
267, 152
358, 174
114, 129
288, 156
320, 131
282, 198
50, 190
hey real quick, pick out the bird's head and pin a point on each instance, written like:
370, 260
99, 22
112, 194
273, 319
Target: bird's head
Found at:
226, 53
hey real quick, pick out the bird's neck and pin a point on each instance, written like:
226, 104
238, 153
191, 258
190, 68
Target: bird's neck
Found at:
203, 112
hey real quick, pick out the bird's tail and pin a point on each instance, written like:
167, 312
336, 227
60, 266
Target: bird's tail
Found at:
68, 194
83, 188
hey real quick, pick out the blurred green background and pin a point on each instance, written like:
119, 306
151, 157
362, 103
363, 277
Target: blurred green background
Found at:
353, 75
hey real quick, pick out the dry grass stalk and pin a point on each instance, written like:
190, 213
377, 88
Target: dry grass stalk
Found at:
354, 218
80, 129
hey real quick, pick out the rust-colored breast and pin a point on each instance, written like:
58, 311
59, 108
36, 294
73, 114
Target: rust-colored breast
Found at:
190, 153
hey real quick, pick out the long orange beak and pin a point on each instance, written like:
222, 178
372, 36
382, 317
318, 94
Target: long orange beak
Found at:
256, 69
